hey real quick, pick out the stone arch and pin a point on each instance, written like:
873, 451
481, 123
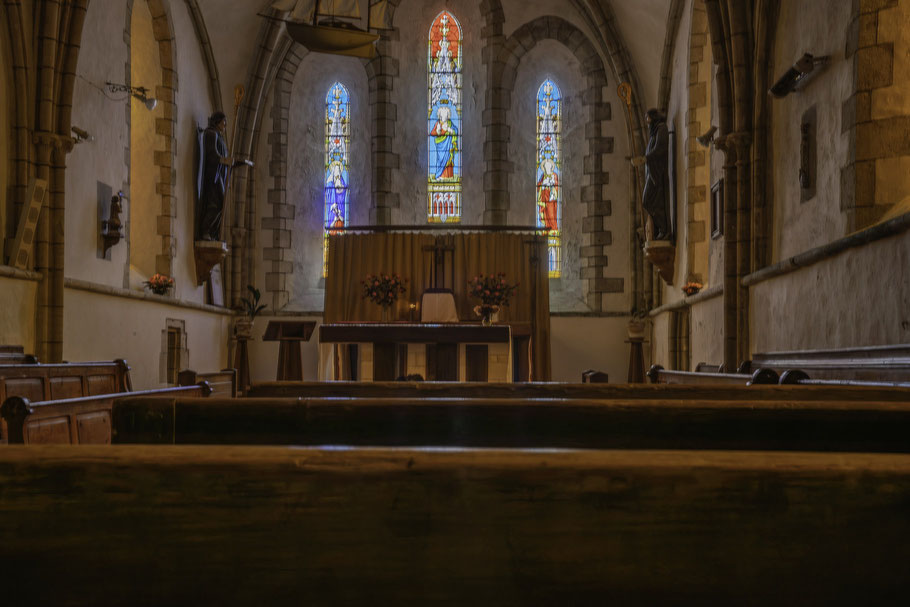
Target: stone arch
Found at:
599, 143
698, 170
165, 127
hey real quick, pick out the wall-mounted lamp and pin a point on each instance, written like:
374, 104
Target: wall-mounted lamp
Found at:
139, 92
708, 137
796, 75
80, 136
111, 229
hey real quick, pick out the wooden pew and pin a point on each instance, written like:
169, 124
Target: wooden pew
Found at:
127, 525
874, 363
859, 425
15, 355
38, 382
222, 383
64, 380
658, 375
349, 389
77, 421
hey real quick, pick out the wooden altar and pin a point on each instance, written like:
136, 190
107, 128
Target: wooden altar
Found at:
452, 255
435, 351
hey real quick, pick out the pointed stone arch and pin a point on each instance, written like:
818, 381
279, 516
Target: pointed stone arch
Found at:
599, 142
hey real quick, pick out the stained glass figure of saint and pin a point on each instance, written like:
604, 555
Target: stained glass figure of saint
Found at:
444, 119
337, 142
549, 169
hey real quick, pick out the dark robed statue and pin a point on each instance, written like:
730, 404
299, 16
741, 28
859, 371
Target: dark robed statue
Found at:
656, 195
214, 170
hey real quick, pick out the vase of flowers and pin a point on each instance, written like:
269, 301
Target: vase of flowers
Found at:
159, 284
383, 290
493, 292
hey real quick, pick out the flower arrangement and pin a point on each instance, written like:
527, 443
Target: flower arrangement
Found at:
383, 289
493, 292
159, 284
691, 288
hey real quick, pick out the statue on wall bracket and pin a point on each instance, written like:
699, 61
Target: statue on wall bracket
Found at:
655, 197
212, 182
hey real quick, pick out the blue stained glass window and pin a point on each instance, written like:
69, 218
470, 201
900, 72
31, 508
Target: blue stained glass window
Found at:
336, 177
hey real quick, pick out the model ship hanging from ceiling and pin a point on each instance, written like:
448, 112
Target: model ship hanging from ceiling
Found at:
328, 26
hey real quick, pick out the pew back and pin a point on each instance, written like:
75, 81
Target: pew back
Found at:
794, 425
78, 421
291, 526
65, 380
404, 389
874, 363
222, 383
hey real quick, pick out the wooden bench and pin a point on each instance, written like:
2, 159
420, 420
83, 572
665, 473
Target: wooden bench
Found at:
15, 355
78, 421
63, 380
860, 425
875, 363
222, 383
39, 382
129, 525
348, 389
658, 375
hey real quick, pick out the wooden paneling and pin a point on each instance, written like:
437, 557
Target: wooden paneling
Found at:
94, 428
66, 387
385, 366
476, 362
31, 388
49, 431
101, 384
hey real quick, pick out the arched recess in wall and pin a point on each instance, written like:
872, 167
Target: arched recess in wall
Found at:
152, 212
597, 236
697, 210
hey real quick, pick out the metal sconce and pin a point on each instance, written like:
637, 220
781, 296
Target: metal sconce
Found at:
139, 92
112, 229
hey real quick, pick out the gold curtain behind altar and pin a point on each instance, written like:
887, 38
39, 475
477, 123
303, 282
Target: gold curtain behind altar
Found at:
352, 256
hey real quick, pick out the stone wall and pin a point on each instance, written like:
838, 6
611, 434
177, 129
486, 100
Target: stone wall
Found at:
878, 43
810, 26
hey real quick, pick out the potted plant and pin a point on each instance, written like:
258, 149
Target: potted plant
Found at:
251, 307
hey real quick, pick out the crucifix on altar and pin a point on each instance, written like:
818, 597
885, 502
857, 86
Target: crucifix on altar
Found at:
438, 301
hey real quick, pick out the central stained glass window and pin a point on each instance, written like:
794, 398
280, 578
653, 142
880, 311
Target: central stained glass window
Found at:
336, 178
444, 60
549, 171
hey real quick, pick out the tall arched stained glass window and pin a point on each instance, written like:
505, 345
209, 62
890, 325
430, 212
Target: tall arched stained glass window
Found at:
549, 171
336, 177
444, 120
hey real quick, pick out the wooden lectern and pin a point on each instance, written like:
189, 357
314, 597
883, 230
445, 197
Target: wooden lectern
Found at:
290, 333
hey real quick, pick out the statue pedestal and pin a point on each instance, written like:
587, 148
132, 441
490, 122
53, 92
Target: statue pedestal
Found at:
209, 253
662, 254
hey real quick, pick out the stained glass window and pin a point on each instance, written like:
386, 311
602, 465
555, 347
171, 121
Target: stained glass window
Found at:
336, 178
444, 143
549, 171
